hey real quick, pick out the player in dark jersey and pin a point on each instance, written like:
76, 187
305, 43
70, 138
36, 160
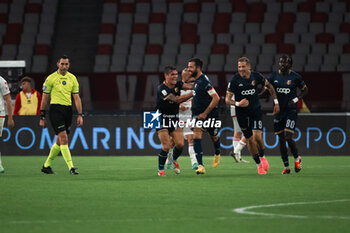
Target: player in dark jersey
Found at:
204, 107
286, 82
243, 86
168, 100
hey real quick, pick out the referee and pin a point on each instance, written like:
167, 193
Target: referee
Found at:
60, 86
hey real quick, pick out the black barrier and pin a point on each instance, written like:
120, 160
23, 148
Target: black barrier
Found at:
316, 134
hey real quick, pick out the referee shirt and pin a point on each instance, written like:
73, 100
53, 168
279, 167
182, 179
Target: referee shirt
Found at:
61, 87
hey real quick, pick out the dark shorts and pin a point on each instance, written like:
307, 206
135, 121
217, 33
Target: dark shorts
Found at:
60, 118
213, 116
285, 121
170, 127
249, 121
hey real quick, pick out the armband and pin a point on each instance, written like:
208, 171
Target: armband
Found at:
295, 100
275, 101
42, 114
236, 104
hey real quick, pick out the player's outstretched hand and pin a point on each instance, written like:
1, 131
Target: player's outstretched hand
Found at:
42, 123
276, 109
80, 121
10, 123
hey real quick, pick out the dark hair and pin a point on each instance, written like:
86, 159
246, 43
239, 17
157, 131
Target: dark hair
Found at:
26, 79
198, 62
64, 56
244, 59
168, 69
287, 58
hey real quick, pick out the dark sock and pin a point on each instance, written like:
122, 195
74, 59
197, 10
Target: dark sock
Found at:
293, 148
261, 153
161, 159
217, 146
197, 146
256, 159
176, 153
285, 159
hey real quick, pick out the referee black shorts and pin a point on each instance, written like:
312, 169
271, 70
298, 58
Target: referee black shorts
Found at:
60, 117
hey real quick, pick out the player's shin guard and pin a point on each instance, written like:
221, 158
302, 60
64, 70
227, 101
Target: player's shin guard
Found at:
67, 156
176, 153
161, 159
217, 146
197, 145
55, 150
257, 159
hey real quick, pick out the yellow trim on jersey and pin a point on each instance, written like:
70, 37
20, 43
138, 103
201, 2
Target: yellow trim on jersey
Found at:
61, 88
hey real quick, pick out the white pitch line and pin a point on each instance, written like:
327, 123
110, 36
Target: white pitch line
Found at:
246, 210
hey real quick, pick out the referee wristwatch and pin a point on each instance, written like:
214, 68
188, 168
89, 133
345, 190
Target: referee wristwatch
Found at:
81, 114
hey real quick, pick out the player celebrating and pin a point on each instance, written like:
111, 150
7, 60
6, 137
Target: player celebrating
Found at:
286, 82
61, 85
168, 100
204, 107
243, 86
185, 114
5, 97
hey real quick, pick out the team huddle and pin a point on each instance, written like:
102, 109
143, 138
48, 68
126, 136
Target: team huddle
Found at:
191, 99
175, 101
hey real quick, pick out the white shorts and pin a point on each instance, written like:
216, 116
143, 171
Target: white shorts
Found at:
2, 122
236, 127
186, 132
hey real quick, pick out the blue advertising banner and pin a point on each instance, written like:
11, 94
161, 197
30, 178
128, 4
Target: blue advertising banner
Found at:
316, 134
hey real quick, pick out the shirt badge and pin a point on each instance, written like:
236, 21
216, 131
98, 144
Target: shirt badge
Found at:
253, 83
289, 82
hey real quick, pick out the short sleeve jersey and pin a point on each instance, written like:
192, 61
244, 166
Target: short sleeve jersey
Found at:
201, 98
246, 88
286, 87
164, 105
4, 90
61, 87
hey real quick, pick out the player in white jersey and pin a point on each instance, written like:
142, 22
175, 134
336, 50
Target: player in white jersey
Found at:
185, 114
5, 93
238, 142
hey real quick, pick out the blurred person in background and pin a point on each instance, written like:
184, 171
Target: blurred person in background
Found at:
6, 97
28, 100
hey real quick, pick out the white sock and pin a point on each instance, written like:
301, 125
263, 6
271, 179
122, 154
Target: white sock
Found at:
235, 142
192, 155
240, 146
0, 160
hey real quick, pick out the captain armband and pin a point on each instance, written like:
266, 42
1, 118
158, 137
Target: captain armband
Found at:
42, 114
211, 91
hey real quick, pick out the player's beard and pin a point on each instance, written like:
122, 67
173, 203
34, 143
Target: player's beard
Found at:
194, 74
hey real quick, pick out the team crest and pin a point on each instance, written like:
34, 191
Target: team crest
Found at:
253, 83
289, 82
176, 90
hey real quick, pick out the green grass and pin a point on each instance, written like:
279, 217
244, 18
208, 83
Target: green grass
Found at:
124, 194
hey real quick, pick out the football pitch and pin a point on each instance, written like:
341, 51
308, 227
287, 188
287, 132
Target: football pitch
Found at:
124, 194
